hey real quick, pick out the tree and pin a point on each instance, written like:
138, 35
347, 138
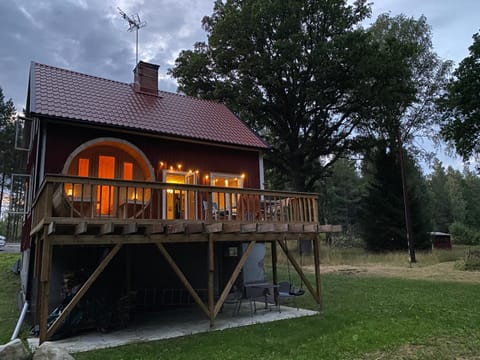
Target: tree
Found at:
341, 191
7, 137
471, 195
461, 104
456, 187
298, 72
442, 216
383, 218
413, 78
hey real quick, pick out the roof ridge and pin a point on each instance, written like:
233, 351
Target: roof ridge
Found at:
80, 73
129, 84
216, 102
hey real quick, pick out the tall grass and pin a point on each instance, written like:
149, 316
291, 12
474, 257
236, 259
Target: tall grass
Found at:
360, 256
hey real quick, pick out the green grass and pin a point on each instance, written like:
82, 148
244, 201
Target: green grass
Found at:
362, 318
9, 287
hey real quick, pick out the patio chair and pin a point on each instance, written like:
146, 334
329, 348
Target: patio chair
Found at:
214, 210
234, 298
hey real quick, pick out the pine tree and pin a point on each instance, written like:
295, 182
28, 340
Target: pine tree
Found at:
383, 217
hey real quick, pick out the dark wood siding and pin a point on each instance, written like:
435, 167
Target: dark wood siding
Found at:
63, 139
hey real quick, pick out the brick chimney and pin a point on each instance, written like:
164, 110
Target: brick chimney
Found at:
146, 78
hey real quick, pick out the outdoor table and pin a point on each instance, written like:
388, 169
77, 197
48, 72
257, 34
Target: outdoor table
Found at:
264, 290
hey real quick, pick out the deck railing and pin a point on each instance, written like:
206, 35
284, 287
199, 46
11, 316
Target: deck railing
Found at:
95, 198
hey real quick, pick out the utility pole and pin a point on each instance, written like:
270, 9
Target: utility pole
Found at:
406, 205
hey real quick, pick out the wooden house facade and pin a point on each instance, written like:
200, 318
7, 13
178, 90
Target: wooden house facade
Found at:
146, 197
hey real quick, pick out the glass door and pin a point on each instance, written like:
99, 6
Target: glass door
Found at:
191, 198
105, 193
179, 204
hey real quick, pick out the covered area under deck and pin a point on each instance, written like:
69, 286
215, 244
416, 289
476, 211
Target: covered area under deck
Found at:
171, 324
69, 218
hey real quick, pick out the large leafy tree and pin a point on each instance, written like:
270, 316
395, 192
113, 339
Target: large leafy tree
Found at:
7, 134
462, 104
302, 73
413, 78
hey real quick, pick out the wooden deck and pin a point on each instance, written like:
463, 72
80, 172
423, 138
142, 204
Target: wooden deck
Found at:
113, 213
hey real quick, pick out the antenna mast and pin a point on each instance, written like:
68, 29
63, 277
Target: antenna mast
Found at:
134, 22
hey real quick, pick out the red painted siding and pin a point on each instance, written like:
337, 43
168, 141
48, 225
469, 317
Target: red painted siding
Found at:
63, 139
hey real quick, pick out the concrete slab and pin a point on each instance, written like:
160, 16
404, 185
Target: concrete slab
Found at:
170, 324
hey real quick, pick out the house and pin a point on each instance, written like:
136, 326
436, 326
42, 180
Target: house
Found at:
142, 199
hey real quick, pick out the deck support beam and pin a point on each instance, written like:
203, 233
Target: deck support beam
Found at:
182, 278
211, 278
274, 270
316, 259
298, 268
234, 277
78, 296
44, 285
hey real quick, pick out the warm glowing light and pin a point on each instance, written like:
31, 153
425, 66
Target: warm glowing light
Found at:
69, 192
197, 172
83, 165
171, 167
162, 164
170, 191
135, 196
242, 176
179, 166
206, 177
127, 171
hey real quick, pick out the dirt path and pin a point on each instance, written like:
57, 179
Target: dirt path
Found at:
439, 272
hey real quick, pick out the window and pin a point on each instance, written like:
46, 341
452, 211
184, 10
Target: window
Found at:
223, 200
83, 166
127, 171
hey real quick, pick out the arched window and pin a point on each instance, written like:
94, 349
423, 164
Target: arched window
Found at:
109, 158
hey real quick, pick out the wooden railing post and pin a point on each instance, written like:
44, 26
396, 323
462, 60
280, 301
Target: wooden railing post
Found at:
144, 200
48, 200
211, 273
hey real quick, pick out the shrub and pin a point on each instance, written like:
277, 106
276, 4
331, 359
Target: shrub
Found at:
472, 259
463, 234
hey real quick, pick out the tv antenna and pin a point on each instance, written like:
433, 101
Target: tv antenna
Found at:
134, 23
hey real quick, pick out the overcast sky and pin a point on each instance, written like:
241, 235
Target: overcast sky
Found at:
90, 36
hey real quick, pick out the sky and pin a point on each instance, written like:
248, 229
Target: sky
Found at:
90, 36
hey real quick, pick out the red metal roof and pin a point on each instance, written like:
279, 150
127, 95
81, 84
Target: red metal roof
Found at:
66, 94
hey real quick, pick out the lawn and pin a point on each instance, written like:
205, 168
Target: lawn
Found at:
363, 317
9, 286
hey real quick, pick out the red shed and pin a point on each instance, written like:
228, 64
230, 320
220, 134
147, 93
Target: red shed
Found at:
440, 240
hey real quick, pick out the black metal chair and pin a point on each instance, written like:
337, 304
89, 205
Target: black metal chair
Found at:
235, 298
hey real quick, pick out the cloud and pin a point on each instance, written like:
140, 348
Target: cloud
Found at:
90, 36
